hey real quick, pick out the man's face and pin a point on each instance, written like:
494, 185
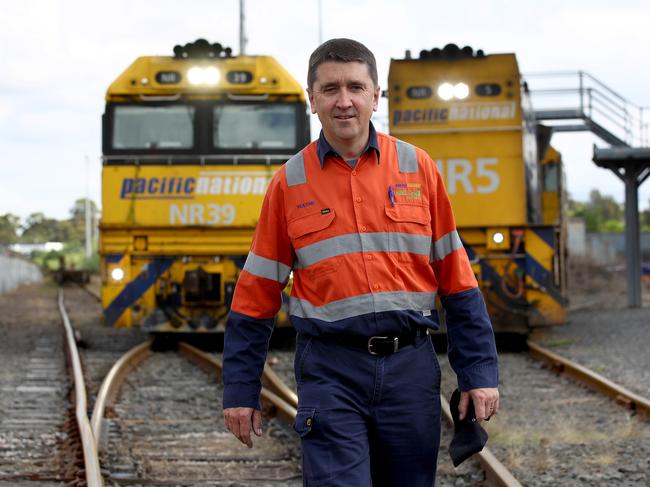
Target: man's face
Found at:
344, 97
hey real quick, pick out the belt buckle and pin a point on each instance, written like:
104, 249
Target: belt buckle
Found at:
370, 344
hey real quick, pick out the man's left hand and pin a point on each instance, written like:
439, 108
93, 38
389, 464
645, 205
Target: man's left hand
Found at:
486, 402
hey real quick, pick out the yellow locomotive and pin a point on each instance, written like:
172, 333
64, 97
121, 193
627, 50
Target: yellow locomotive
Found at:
190, 142
471, 112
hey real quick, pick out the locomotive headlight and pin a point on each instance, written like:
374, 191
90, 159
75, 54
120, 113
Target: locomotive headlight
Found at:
117, 274
498, 238
195, 75
209, 76
446, 91
461, 91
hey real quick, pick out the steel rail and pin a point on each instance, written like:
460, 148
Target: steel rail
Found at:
272, 381
590, 378
89, 446
112, 382
496, 474
86, 288
278, 400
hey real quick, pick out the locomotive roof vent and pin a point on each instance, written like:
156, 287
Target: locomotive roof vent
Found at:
202, 49
451, 52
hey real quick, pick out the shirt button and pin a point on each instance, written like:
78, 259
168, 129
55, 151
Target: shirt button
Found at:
363, 228
376, 286
358, 199
354, 173
368, 257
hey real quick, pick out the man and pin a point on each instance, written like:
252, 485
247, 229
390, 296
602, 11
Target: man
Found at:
364, 222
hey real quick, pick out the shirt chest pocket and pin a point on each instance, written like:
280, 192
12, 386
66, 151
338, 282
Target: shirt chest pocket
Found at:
305, 228
405, 215
409, 227
308, 234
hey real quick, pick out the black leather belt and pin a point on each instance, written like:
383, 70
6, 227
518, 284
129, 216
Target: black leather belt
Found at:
380, 344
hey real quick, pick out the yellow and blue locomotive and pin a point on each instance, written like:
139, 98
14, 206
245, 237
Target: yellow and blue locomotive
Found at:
190, 142
471, 112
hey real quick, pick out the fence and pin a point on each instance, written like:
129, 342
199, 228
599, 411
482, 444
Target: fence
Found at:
605, 248
15, 271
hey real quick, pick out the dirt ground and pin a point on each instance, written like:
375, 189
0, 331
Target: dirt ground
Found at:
596, 286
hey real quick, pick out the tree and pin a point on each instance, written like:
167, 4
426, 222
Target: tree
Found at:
9, 225
606, 206
76, 225
78, 210
40, 229
601, 213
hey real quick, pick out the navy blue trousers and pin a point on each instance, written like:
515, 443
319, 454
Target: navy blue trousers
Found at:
367, 420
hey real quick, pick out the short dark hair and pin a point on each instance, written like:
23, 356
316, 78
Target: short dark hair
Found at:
341, 51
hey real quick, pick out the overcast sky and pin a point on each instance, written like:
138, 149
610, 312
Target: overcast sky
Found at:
58, 57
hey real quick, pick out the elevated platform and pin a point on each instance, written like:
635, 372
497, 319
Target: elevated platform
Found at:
586, 124
632, 166
576, 96
577, 102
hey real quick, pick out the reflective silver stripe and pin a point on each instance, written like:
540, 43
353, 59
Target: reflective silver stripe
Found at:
295, 170
363, 242
364, 304
263, 267
445, 245
406, 156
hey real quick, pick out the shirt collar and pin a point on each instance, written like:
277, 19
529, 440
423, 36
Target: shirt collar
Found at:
324, 148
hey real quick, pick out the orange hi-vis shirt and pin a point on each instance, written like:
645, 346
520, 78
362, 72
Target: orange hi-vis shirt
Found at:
370, 248
378, 237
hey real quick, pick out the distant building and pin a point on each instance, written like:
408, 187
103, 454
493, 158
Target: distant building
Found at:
28, 248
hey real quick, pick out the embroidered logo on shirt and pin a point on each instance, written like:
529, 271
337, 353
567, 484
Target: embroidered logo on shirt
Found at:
410, 191
305, 204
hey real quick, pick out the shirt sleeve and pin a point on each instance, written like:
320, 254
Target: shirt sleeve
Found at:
257, 299
471, 346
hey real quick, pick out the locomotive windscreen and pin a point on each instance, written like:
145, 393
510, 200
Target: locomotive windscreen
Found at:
255, 126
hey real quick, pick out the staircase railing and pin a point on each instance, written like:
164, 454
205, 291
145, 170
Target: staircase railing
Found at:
565, 96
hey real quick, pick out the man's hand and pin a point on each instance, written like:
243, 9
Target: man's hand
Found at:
486, 403
240, 422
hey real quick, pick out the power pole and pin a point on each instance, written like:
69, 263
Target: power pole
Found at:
242, 29
320, 22
89, 242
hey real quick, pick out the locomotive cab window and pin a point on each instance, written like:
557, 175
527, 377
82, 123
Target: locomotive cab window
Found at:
551, 177
153, 127
255, 126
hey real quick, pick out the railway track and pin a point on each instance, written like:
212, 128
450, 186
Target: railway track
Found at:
221, 455
591, 379
553, 431
162, 421
40, 439
278, 399
164, 426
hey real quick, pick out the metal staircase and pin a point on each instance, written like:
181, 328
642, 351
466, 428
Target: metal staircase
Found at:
576, 101
572, 101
